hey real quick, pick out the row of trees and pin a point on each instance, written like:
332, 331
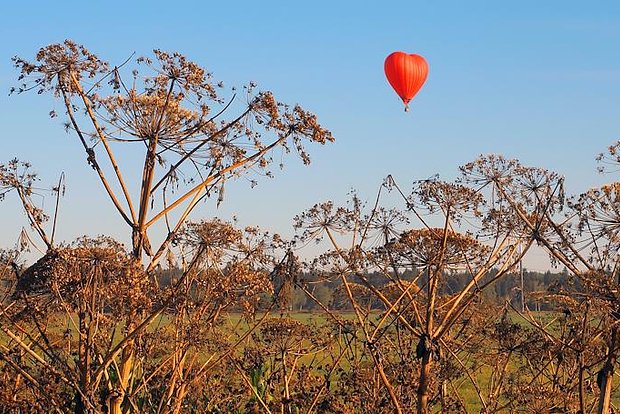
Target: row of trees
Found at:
506, 289
91, 328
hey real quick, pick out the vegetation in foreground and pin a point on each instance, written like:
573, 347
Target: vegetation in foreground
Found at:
94, 327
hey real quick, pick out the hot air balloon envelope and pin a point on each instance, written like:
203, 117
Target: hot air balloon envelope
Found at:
406, 73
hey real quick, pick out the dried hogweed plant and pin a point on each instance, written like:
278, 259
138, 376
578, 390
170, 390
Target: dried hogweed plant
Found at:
576, 367
173, 116
172, 111
418, 344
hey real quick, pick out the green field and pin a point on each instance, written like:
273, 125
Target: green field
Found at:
234, 326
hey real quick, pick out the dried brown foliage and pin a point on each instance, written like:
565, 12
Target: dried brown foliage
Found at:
110, 357
93, 326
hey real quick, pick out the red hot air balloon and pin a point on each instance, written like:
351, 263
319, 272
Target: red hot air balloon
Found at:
406, 73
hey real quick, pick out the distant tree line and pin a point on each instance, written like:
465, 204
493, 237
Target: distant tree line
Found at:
505, 289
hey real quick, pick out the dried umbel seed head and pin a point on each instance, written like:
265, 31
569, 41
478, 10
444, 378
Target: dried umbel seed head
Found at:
434, 247
58, 67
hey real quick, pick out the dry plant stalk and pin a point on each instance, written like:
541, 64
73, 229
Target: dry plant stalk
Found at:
171, 109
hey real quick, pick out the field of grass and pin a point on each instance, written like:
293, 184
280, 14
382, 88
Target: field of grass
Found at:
234, 325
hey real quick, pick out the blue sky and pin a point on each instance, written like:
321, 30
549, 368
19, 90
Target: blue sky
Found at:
534, 80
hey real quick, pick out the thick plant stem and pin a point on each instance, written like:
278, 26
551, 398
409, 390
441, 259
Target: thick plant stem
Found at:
425, 371
582, 387
124, 375
606, 375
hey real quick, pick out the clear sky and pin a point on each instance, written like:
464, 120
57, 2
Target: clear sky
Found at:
536, 80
